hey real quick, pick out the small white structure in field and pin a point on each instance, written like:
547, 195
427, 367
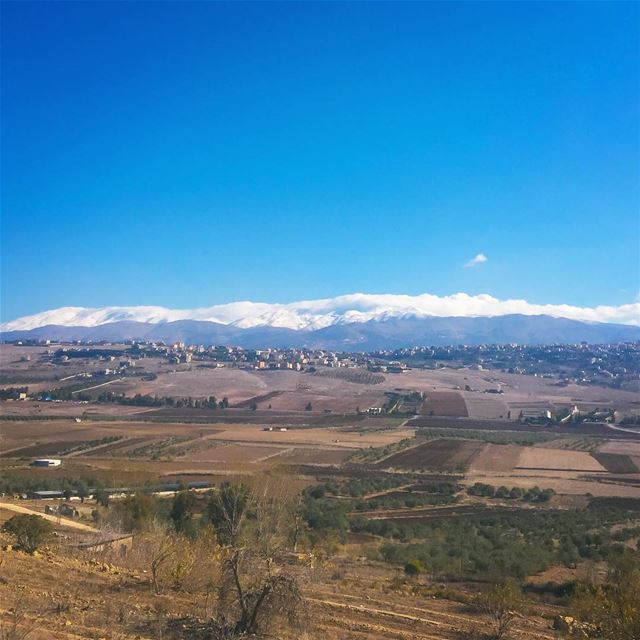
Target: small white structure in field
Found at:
47, 462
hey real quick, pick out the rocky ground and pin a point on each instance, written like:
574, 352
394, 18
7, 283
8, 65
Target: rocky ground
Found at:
62, 594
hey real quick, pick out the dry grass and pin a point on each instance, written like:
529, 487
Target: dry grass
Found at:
68, 596
496, 457
556, 459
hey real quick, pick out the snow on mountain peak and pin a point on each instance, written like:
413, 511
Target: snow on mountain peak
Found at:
317, 314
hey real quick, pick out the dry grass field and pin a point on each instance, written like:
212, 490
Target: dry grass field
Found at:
496, 458
485, 406
519, 390
236, 453
292, 391
624, 448
558, 460
283, 390
340, 437
147, 450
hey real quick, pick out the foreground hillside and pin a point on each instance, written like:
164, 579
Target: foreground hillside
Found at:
62, 594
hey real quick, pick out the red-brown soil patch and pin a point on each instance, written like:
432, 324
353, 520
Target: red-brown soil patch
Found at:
442, 454
445, 403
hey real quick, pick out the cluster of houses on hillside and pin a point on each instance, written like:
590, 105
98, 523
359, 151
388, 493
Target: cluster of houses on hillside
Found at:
121, 361
616, 365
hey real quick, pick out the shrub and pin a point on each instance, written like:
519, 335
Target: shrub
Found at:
413, 568
182, 511
30, 531
501, 604
136, 512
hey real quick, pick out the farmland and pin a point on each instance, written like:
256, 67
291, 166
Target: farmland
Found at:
378, 464
445, 403
436, 455
556, 459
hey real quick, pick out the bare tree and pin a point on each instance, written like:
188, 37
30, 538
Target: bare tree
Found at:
255, 592
174, 560
162, 548
501, 604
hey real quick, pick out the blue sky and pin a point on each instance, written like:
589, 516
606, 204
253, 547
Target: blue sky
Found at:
188, 154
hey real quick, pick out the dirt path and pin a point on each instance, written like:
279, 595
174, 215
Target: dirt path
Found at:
387, 491
393, 453
64, 522
273, 455
384, 613
446, 623
95, 386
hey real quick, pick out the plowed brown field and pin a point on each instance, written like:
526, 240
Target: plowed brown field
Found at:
438, 455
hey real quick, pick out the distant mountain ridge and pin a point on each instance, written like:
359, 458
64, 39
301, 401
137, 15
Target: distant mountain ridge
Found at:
357, 321
310, 315
390, 333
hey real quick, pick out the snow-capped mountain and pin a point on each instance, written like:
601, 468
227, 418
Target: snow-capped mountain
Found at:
311, 315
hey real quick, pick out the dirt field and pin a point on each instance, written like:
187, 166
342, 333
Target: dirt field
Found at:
623, 448
158, 449
445, 403
555, 459
616, 463
516, 388
42, 450
236, 453
430, 514
338, 436
485, 406
436, 455
282, 390
496, 457
313, 455
292, 391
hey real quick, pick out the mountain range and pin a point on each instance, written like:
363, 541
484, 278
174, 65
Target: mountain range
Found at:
359, 322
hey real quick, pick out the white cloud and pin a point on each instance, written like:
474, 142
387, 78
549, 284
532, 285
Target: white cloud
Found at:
315, 314
475, 261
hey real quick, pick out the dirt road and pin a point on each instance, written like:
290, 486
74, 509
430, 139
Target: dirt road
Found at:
63, 522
